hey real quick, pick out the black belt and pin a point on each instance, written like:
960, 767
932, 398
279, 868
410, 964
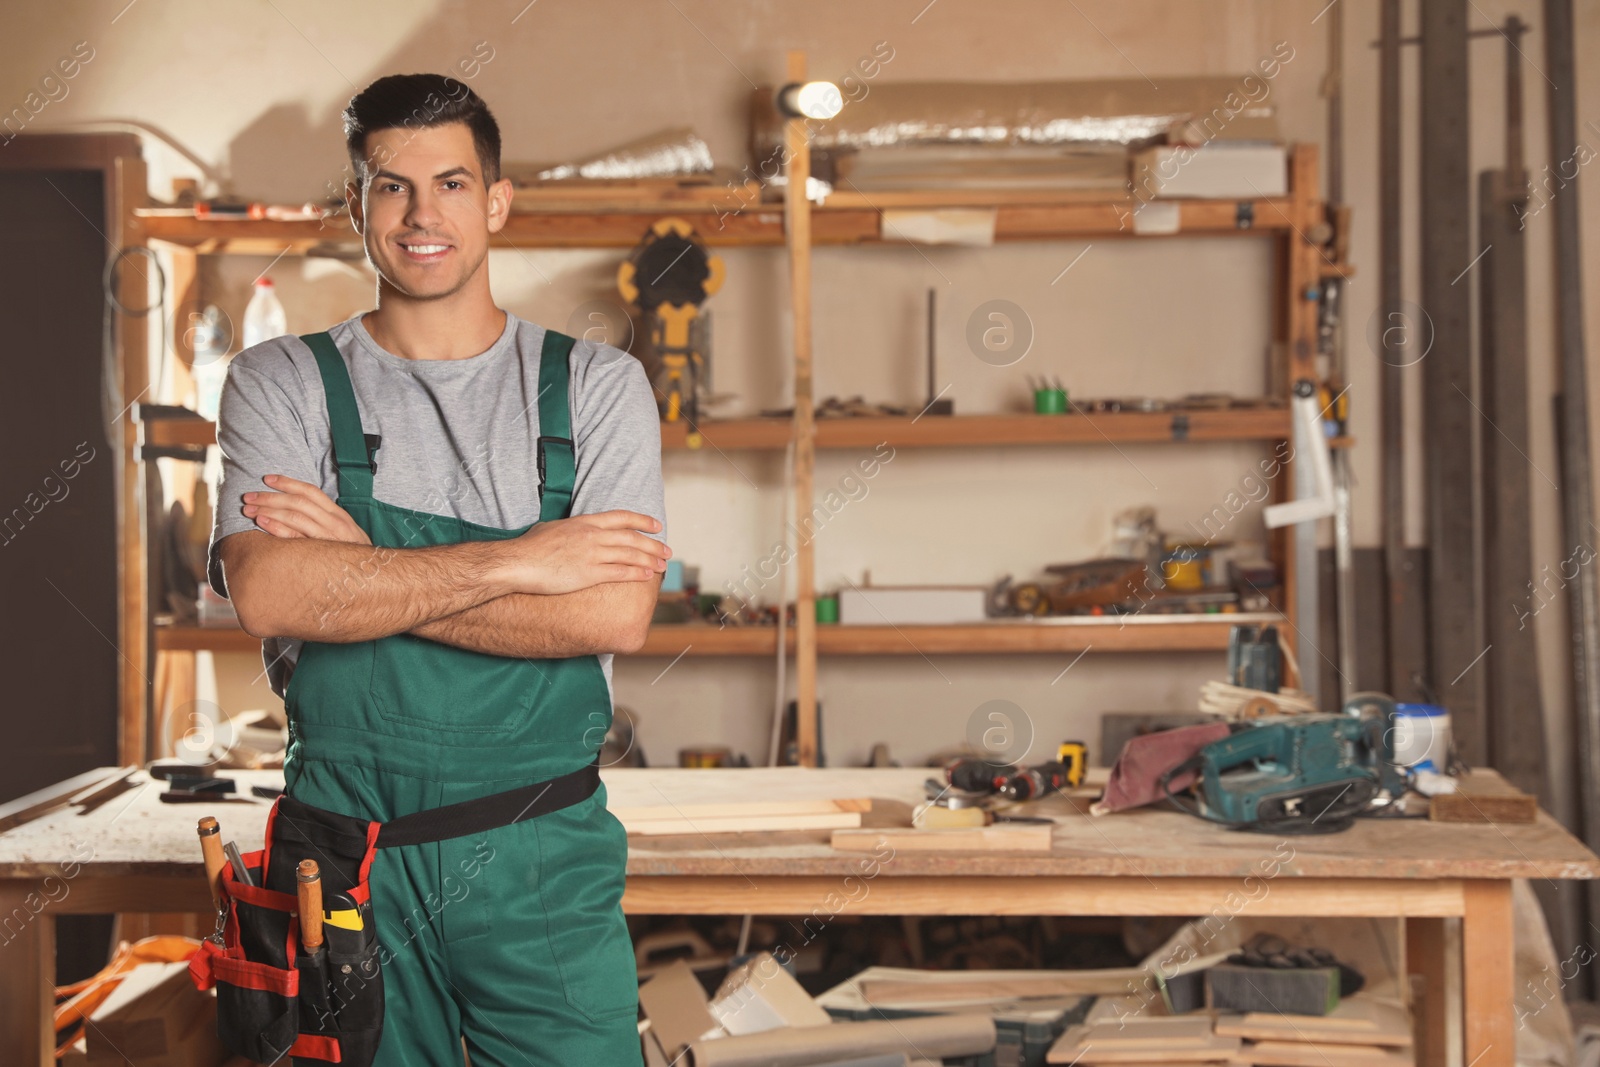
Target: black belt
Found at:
469, 816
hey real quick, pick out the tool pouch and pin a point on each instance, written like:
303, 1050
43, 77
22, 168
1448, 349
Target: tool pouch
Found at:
274, 998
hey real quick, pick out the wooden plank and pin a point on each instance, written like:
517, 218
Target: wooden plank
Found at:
946, 987
1484, 799
1455, 634
1358, 1020
1143, 1041
647, 812
1155, 1032
837, 821
1309, 1054
1005, 838
25, 808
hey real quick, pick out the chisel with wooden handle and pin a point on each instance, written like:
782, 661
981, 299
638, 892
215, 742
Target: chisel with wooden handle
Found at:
211, 849
309, 883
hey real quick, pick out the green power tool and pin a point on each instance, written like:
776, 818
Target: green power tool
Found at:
1294, 773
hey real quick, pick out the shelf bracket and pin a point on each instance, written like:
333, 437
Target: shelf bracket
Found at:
1244, 215
1180, 427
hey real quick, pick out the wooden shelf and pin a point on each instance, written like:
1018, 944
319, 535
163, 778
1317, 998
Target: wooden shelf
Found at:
845, 218
929, 431
1138, 633
1146, 633
170, 638
1026, 428
616, 217
693, 639
757, 433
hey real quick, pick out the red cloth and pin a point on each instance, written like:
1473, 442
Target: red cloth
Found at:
1136, 778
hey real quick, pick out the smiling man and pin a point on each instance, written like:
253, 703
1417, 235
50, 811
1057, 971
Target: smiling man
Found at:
443, 520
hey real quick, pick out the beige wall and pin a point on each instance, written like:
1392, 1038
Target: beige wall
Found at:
254, 91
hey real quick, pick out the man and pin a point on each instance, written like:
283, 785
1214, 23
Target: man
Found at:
393, 523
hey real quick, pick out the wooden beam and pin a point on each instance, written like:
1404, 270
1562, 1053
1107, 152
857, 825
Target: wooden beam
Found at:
132, 363
738, 894
1448, 413
797, 218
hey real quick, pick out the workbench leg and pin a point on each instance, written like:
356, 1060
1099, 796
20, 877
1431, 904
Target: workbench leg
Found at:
27, 975
1427, 957
1488, 975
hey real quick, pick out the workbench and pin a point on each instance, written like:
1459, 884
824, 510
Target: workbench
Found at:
130, 853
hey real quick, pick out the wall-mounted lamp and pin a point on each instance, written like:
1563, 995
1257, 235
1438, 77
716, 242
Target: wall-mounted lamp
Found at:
810, 100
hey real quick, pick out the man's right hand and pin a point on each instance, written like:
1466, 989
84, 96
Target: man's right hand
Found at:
566, 555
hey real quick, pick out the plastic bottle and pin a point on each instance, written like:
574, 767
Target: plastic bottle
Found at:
209, 337
264, 318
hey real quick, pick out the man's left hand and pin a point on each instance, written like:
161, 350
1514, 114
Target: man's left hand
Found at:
300, 509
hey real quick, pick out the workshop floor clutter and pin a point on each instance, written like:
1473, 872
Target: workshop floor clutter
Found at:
141, 1008
882, 1017
760, 1014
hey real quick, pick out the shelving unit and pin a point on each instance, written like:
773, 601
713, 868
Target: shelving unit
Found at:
739, 218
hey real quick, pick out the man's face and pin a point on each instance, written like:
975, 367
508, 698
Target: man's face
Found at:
424, 212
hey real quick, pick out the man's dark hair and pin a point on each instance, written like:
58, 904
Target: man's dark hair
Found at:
419, 101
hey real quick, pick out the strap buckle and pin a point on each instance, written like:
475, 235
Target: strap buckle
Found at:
565, 442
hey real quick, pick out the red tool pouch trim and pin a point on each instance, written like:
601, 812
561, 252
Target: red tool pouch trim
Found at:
316, 1047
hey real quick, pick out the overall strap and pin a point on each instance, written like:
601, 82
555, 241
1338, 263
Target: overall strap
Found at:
557, 458
350, 455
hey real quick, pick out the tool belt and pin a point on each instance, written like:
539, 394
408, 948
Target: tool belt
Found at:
275, 998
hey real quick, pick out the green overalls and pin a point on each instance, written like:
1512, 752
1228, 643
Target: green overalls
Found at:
513, 938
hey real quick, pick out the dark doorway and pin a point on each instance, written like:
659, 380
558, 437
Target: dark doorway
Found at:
59, 662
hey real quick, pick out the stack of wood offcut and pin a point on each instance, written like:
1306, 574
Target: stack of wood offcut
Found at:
1360, 1032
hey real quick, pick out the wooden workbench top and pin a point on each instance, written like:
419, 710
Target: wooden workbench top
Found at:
133, 833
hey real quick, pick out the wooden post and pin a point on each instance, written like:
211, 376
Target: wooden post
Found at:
132, 359
28, 979
1455, 640
1488, 975
1299, 264
1427, 947
797, 224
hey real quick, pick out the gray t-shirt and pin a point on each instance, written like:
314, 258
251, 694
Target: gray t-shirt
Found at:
459, 436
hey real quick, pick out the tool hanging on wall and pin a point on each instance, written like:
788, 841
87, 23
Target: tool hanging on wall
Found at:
667, 276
